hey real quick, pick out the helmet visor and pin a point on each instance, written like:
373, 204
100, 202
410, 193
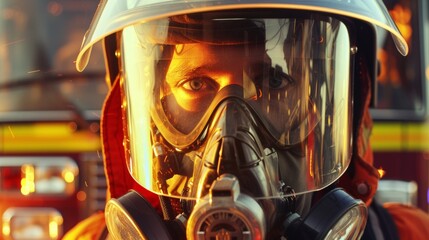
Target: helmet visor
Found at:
292, 72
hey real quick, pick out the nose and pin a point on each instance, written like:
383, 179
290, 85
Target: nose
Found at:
234, 147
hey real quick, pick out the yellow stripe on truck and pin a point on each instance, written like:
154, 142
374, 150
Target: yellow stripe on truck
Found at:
46, 137
400, 137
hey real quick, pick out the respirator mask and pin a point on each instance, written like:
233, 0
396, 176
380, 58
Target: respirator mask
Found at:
234, 121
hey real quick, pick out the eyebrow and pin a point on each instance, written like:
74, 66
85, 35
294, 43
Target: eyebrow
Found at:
184, 71
201, 70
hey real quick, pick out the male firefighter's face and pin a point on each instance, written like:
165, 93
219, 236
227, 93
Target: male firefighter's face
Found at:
198, 71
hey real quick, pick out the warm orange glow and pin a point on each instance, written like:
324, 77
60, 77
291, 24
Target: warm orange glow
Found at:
389, 71
381, 172
81, 196
68, 176
402, 17
27, 181
387, 75
53, 229
6, 229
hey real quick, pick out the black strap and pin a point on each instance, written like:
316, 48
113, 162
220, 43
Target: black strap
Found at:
383, 223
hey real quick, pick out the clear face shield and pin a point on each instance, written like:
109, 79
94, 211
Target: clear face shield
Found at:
227, 111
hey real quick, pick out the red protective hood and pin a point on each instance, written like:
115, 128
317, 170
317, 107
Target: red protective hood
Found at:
119, 181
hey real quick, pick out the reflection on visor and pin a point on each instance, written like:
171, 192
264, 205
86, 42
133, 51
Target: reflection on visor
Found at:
281, 65
289, 75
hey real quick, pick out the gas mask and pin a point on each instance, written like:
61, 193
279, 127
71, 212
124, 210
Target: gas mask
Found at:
238, 119
241, 191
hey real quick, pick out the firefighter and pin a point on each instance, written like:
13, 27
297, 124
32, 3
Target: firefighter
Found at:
241, 120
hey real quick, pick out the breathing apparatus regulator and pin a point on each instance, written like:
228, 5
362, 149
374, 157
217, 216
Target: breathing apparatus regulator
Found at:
238, 115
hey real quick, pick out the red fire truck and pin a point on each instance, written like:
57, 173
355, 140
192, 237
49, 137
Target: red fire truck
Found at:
400, 136
51, 173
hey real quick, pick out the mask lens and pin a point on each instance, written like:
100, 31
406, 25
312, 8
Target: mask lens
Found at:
350, 226
126, 218
348, 221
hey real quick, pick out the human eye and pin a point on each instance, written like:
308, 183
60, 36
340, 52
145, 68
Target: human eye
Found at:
196, 93
198, 85
278, 79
